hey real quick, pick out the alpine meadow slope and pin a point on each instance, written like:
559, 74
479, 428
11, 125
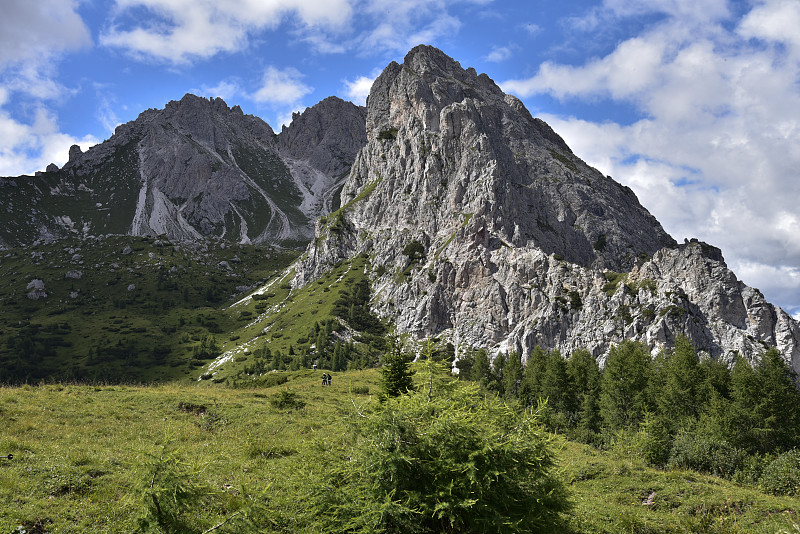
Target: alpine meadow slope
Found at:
482, 227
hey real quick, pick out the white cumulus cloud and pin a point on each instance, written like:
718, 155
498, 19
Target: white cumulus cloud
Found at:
179, 31
398, 26
31, 31
227, 90
499, 54
357, 91
33, 36
281, 87
775, 21
29, 147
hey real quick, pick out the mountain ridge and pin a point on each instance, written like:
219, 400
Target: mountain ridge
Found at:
516, 241
192, 170
479, 223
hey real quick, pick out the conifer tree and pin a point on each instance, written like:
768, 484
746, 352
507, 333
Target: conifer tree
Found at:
583, 373
396, 372
512, 375
534, 373
767, 402
338, 362
460, 440
481, 370
624, 395
465, 363
496, 375
589, 417
679, 381
782, 402
555, 383
742, 420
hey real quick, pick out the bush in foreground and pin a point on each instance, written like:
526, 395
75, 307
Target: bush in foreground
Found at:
454, 461
782, 475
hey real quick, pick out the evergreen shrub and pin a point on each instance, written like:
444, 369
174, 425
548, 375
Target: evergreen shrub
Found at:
287, 400
706, 454
782, 475
450, 460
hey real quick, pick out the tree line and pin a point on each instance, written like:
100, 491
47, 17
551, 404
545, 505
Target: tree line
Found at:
676, 410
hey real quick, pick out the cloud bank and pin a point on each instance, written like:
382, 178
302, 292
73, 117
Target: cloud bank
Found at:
184, 31
33, 36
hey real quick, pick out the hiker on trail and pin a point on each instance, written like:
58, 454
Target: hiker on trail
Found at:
324, 379
329, 379
315, 366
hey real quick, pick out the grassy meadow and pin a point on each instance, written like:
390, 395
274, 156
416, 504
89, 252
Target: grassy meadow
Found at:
86, 458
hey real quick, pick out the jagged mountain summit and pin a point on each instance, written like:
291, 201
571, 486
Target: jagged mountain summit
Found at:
482, 226
192, 170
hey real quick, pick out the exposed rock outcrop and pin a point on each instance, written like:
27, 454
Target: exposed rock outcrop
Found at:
522, 243
319, 146
35, 289
327, 136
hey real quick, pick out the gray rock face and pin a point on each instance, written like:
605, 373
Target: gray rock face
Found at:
521, 238
195, 169
319, 146
36, 289
75, 152
327, 136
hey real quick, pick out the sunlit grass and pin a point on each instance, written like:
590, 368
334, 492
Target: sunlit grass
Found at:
80, 459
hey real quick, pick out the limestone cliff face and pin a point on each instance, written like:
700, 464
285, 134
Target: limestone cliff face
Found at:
192, 170
319, 146
483, 226
327, 136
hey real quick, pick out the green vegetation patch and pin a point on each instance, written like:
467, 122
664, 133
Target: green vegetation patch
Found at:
94, 458
121, 309
612, 282
294, 328
389, 134
335, 220
267, 170
612, 493
568, 163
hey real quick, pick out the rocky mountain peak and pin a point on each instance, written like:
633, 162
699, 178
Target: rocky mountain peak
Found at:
192, 108
195, 169
436, 131
431, 62
426, 82
327, 135
482, 226
75, 152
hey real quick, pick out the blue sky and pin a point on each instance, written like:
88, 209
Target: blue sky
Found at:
693, 104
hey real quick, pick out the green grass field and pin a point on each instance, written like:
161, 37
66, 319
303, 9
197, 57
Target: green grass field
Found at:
85, 456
